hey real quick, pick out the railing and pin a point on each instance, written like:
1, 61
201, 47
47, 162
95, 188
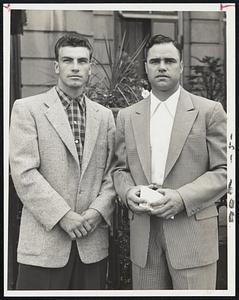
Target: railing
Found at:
119, 276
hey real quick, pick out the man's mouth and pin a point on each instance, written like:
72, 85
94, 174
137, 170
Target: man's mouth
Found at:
75, 76
162, 76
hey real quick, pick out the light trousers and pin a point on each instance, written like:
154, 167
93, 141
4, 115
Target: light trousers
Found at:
159, 274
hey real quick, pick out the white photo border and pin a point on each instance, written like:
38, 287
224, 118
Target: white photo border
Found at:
229, 8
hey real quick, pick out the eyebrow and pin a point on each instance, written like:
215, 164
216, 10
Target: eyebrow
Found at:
79, 59
159, 59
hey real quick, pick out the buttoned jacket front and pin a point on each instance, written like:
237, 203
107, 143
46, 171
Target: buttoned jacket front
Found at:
195, 167
49, 180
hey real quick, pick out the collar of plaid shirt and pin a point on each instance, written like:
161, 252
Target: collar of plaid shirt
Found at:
66, 99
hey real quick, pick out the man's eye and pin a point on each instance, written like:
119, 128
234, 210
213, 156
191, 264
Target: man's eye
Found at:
83, 61
154, 62
169, 61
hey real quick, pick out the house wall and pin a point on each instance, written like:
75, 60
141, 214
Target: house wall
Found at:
203, 34
41, 33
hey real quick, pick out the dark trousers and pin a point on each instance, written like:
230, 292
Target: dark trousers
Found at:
74, 276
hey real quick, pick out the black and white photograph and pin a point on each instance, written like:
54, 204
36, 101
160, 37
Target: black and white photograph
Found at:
119, 149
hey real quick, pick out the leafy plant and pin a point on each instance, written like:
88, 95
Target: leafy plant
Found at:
120, 84
207, 79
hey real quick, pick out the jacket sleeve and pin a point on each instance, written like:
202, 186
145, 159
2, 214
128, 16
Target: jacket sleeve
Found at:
104, 203
211, 185
36, 194
122, 177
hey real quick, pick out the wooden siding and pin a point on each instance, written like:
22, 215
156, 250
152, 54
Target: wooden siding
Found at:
206, 35
43, 30
203, 36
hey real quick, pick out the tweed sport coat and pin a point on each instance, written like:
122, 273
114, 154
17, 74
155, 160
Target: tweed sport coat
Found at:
49, 181
195, 167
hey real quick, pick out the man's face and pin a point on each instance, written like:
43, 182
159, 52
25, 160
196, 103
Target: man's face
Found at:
163, 67
73, 67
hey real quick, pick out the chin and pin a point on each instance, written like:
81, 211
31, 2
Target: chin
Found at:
76, 85
163, 88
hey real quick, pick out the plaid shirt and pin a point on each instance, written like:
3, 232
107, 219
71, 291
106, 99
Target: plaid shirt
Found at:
76, 112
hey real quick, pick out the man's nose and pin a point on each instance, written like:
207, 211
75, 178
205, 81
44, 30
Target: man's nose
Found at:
75, 65
162, 65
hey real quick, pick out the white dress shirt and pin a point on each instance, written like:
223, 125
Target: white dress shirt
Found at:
162, 115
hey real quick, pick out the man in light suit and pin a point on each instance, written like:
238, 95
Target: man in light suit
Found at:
61, 154
173, 142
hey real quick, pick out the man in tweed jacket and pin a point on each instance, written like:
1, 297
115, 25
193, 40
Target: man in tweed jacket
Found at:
175, 143
61, 153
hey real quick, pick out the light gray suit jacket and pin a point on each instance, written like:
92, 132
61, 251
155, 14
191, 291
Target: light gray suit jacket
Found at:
48, 179
195, 167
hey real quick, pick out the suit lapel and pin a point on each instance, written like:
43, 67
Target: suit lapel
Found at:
141, 127
92, 128
184, 118
59, 120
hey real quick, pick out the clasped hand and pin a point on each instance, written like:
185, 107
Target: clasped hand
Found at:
167, 207
79, 225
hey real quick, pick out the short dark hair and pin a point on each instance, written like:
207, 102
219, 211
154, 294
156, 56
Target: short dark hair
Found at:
161, 39
72, 39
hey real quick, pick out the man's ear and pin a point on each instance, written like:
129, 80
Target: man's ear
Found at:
56, 66
146, 67
181, 67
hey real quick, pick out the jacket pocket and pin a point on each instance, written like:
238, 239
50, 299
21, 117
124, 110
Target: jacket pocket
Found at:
206, 213
31, 237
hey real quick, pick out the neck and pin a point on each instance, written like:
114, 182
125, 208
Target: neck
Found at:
72, 92
164, 95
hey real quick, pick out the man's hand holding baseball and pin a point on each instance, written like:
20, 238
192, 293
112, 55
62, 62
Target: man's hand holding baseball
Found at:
133, 200
170, 204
